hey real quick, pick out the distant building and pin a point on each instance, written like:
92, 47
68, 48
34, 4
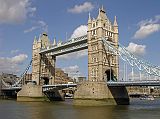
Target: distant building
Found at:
80, 79
10, 79
61, 77
27, 78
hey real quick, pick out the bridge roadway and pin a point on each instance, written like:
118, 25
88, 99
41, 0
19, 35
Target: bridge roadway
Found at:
109, 83
135, 83
44, 87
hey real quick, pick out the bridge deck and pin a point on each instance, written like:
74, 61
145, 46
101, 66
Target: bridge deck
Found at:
135, 83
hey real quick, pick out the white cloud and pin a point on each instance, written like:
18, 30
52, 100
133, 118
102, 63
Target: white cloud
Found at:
14, 51
19, 58
38, 25
136, 49
73, 71
12, 65
85, 7
15, 11
74, 55
147, 27
73, 68
79, 31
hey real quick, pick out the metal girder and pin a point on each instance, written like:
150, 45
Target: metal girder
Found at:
59, 86
132, 60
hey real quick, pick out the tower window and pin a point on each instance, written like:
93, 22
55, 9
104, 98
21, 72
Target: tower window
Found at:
93, 25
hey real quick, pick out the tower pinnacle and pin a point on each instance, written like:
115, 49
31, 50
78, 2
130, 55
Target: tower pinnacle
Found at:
54, 42
115, 21
89, 18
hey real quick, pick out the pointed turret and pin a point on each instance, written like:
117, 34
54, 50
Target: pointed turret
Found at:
39, 40
35, 40
89, 22
115, 21
54, 42
99, 14
102, 8
89, 18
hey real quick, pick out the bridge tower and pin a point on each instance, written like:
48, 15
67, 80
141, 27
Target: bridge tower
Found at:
103, 65
43, 66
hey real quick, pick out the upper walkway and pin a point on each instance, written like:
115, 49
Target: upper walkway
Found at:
72, 45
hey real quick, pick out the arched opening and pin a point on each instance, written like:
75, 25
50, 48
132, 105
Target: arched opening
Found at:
110, 75
45, 80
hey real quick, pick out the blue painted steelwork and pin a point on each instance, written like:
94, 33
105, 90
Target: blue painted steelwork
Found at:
131, 59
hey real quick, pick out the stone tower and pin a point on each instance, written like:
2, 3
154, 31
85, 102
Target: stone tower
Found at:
43, 66
102, 65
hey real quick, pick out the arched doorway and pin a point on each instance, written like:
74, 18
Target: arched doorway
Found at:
45, 80
110, 75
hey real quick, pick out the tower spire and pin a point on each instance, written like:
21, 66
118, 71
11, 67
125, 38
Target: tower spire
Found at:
115, 21
54, 42
89, 18
39, 38
102, 8
35, 40
99, 14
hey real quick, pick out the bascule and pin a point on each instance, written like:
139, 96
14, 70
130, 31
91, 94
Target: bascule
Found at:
104, 85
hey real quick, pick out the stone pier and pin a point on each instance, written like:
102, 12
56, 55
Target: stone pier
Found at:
98, 93
31, 92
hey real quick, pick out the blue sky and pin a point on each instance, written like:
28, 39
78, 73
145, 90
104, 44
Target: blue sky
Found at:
22, 20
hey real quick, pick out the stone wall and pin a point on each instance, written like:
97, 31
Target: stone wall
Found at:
30, 92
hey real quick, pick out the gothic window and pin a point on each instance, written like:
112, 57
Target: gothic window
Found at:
112, 60
93, 32
109, 27
92, 72
104, 25
94, 58
96, 72
93, 25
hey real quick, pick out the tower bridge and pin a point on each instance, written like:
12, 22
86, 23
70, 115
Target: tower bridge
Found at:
104, 85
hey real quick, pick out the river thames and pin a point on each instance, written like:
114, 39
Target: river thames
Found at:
138, 109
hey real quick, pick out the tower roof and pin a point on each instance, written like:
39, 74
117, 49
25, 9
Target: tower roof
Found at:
101, 13
44, 34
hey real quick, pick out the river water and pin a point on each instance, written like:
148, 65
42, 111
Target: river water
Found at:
138, 109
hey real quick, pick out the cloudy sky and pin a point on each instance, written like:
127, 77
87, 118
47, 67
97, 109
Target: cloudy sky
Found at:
22, 20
